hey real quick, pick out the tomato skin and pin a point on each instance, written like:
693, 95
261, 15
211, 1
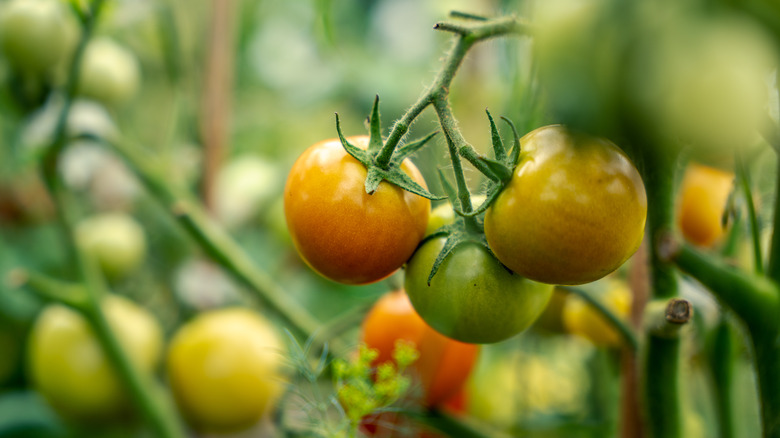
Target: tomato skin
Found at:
472, 298
582, 320
701, 202
573, 211
340, 231
444, 364
69, 368
224, 369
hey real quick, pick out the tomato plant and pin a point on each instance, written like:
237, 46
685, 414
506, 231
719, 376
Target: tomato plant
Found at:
69, 368
701, 203
35, 35
472, 298
224, 368
573, 211
115, 240
342, 232
444, 364
582, 320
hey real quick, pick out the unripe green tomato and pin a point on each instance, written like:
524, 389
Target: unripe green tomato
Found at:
224, 368
115, 240
109, 73
36, 35
472, 298
70, 369
704, 81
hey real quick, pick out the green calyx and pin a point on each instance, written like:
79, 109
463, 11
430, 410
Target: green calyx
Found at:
498, 170
383, 160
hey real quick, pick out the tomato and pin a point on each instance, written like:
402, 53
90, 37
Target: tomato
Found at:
703, 82
581, 319
243, 188
224, 369
472, 298
109, 72
444, 364
36, 35
115, 240
701, 203
551, 319
340, 231
573, 211
69, 368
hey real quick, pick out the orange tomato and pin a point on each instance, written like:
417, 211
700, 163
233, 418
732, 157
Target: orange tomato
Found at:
701, 202
444, 364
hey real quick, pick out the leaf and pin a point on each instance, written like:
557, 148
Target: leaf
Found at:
498, 144
375, 131
357, 153
403, 152
514, 153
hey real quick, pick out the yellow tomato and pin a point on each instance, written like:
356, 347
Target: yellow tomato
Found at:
701, 202
581, 319
224, 368
573, 211
69, 368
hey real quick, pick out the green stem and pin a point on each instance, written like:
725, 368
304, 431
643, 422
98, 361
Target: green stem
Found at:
618, 324
149, 399
756, 300
661, 361
755, 231
773, 270
767, 362
439, 89
220, 245
722, 357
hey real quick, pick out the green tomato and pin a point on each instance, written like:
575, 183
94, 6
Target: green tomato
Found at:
472, 298
70, 369
35, 35
109, 72
115, 240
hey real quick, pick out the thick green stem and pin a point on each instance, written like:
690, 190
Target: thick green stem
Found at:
722, 356
663, 402
767, 362
756, 300
773, 270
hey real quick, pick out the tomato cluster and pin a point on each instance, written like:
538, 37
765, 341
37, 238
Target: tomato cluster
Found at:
572, 212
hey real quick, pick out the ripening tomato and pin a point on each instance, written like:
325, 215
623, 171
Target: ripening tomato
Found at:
472, 297
444, 364
581, 319
340, 231
224, 368
573, 211
69, 368
701, 202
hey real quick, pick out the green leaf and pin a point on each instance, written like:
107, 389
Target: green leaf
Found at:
401, 179
375, 131
514, 153
356, 153
498, 144
453, 240
373, 178
448, 188
402, 152
498, 168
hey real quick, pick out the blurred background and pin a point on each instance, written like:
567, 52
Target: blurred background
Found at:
228, 124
